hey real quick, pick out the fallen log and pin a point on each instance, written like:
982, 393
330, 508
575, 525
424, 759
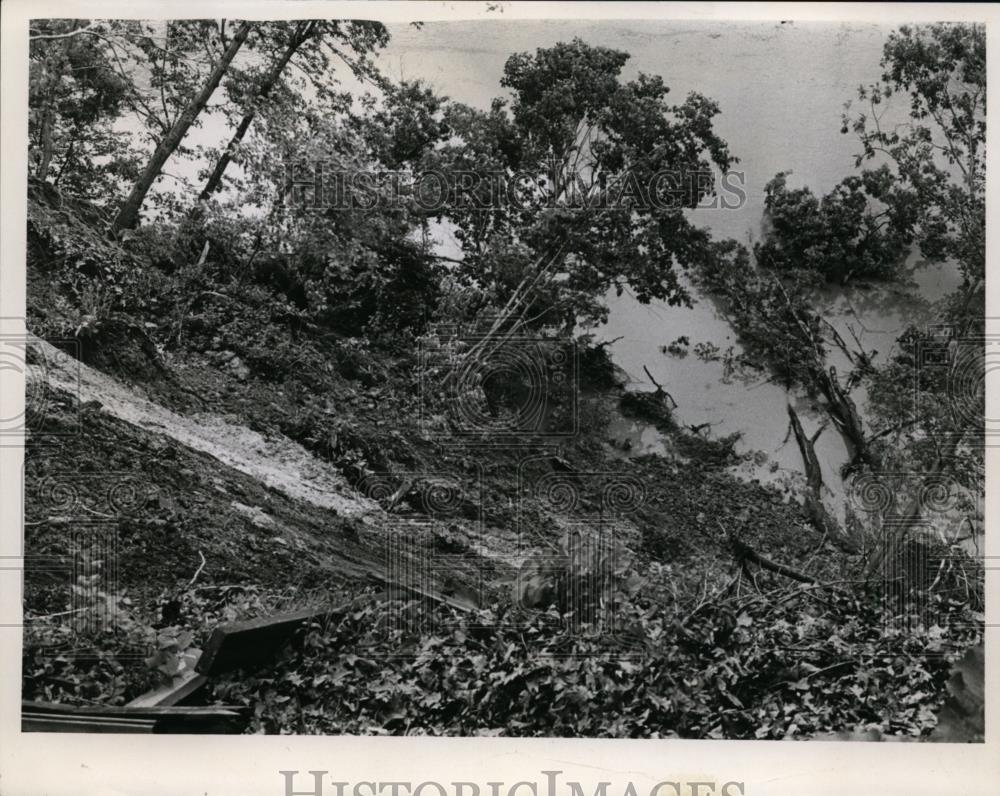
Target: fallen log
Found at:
245, 645
845, 415
840, 405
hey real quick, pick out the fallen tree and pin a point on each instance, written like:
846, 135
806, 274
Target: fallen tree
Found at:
820, 517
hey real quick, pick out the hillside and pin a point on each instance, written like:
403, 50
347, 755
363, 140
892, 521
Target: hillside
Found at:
246, 403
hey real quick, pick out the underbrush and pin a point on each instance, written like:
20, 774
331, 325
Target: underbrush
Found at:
106, 649
790, 663
251, 341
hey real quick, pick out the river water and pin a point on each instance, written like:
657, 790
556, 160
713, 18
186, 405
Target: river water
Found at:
781, 89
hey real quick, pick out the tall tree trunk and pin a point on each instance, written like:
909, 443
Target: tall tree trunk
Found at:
46, 139
48, 117
129, 213
302, 33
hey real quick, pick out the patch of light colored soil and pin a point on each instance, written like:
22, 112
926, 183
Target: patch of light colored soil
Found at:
274, 460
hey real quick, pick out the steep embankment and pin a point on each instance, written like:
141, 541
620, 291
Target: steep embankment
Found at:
274, 460
177, 496
166, 499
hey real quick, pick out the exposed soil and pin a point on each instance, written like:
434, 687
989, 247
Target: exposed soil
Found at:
273, 460
262, 508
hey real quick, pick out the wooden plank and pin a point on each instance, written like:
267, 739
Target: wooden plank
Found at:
223, 722
251, 643
51, 722
254, 642
193, 711
178, 689
55, 717
183, 685
31, 706
171, 724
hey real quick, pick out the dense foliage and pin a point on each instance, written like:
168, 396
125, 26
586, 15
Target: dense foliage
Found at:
799, 663
938, 159
838, 236
343, 327
594, 177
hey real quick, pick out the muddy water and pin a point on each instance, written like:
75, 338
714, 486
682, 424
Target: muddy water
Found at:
781, 89
755, 407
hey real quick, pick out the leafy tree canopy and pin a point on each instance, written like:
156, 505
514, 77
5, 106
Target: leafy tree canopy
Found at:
939, 156
838, 236
594, 175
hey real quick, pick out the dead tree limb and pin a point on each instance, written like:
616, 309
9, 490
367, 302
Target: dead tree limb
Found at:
844, 413
746, 553
840, 405
817, 511
838, 339
659, 387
